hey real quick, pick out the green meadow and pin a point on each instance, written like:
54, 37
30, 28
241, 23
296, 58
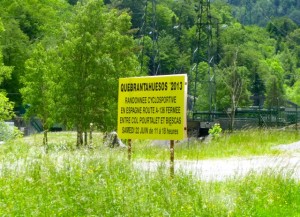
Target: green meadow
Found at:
100, 181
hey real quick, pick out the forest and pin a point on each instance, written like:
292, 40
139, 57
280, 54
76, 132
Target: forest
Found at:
60, 60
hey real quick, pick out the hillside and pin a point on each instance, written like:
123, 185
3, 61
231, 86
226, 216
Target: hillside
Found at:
69, 54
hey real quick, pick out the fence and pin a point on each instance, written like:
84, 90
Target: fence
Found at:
252, 117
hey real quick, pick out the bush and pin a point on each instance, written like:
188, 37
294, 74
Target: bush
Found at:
215, 131
7, 132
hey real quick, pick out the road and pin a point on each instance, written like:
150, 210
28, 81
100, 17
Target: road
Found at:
222, 169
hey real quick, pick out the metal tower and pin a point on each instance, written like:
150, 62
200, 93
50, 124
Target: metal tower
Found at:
155, 48
149, 27
204, 53
142, 34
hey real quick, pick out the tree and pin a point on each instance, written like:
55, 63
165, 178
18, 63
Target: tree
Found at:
166, 18
39, 87
295, 16
279, 28
234, 83
169, 55
276, 4
275, 95
200, 86
293, 45
135, 8
97, 51
15, 46
258, 90
73, 2
26, 23
273, 73
6, 107
293, 93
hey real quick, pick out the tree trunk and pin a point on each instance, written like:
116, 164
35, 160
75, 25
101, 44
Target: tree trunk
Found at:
45, 140
232, 116
91, 135
232, 112
85, 138
79, 137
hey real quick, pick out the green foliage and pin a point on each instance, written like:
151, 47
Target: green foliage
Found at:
259, 12
215, 131
274, 93
96, 52
68, 82
136, 8
294, 92
281, 27
295, 16
168, 55
5, 71
72, 52
6, 107
234, 82
167, 19
39, 89
9, 133
15, 50
26, 23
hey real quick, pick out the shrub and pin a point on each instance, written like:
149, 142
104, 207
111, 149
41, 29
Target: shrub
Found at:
7, 132
215, 131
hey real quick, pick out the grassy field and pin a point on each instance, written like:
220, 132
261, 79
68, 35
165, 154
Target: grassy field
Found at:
240, 143
102, 182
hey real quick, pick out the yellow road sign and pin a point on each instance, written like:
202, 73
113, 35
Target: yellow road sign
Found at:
152, 107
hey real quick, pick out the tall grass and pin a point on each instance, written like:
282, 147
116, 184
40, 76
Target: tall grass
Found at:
240, 143
270, 194
102, 182
85, 184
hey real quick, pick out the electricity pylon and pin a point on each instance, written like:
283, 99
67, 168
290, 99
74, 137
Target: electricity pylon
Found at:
204, 52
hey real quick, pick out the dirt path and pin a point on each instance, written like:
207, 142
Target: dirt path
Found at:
222, 169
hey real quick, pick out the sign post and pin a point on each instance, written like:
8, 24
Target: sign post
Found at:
129, 149
153, 107
172, 158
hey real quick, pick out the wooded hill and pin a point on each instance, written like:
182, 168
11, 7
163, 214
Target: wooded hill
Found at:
64, 58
